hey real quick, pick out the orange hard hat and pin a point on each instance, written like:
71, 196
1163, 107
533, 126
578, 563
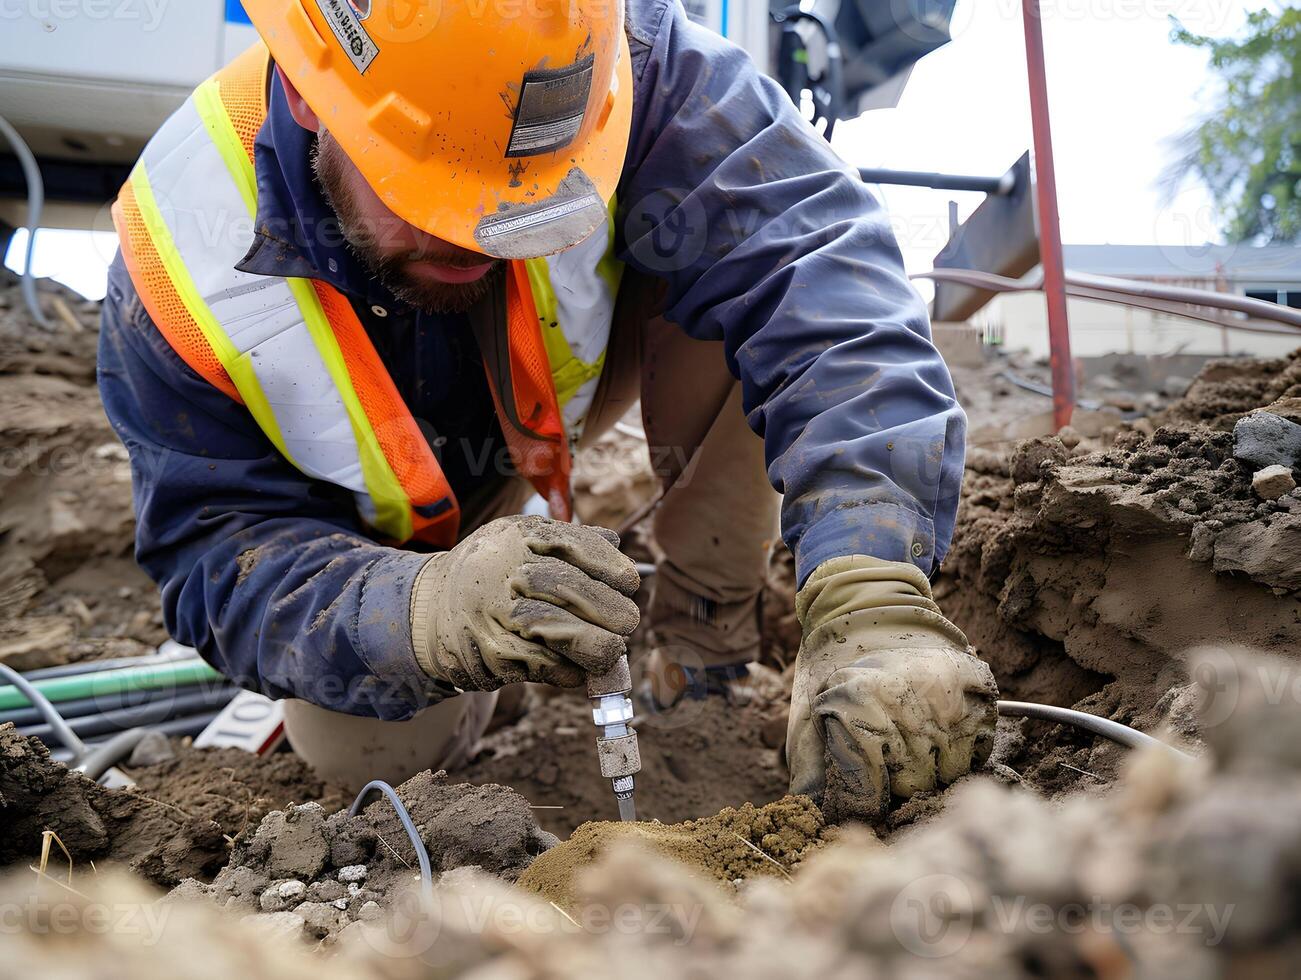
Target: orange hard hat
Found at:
497, 125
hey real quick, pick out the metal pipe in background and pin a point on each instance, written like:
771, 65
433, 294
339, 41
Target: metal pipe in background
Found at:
1050, 229
998, 186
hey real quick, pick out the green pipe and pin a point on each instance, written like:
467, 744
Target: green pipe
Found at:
181, 674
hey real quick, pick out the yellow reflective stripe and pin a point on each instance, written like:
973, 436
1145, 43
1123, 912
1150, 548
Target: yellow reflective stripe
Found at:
237, 365
392, 506
573, 374
567, 371
609, 268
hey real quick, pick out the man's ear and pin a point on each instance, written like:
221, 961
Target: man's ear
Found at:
298, 107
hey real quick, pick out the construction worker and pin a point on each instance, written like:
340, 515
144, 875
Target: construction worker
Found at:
383, 276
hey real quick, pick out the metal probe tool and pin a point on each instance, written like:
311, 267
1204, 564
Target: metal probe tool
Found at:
616, 742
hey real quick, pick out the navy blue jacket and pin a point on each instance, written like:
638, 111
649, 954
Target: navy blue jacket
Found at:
766, 240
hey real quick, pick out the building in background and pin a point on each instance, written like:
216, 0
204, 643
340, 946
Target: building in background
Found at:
1272, 273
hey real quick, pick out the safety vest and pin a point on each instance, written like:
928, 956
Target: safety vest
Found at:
295, 355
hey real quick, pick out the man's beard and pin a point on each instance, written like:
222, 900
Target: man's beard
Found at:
366, 243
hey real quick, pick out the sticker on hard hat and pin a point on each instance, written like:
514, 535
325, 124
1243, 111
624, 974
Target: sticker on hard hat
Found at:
352, 36
552, 103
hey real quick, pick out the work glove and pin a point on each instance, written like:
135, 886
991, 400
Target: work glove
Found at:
524, 599
887, 700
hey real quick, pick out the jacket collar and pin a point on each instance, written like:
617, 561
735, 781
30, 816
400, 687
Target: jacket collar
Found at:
296, 233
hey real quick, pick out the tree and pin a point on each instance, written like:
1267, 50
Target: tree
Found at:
1247, 148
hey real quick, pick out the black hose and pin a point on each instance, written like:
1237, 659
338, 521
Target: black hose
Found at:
110, 722
1104, 727
422, 855
178, 701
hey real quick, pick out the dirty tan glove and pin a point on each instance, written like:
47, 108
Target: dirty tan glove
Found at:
524, 599
887, 699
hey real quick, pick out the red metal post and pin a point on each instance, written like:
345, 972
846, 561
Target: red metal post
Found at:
1050, 230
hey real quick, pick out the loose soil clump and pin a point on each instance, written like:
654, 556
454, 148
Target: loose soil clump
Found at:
730, 848
177, 823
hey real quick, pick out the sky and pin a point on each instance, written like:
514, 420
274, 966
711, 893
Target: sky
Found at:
1118, 90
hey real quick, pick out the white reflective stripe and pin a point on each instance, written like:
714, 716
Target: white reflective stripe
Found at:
575, 411
585, 310
584, 303
317, 432
258, 313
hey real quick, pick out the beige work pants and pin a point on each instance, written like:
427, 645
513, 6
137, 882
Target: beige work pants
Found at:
714, 526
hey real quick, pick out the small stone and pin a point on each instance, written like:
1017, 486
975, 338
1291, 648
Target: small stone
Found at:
1068, 437
282, 896
150, 751
353, 873
297, 842
1265, 439
326, 890
341, 904
320, 920
370, 912
1272, 482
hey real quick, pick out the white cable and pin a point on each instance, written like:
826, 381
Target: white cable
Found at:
35, 204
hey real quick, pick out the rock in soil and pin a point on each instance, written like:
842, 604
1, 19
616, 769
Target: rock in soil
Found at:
327, 869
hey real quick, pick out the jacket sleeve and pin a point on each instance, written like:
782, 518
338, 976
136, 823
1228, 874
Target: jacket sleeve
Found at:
770, 243
266, 571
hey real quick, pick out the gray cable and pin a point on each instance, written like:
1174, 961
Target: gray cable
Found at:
1104, 727
422, 855
58, 726
35, 204
101, 758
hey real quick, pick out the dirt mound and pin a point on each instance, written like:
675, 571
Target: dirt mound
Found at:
734, 846
1170, 876
320, 873
696, 759
69, 589
1081, 576
1187, 869
177, 823
1227, 389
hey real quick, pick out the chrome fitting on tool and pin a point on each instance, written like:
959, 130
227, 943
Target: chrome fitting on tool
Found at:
616, 743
